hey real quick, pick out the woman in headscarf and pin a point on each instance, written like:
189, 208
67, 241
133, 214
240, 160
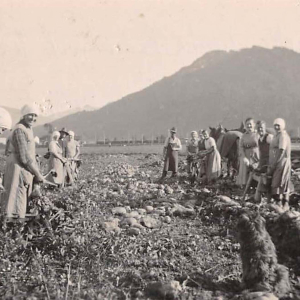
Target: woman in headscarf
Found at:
213, 158
280, 164
191, 149
72, 153
249, 151
171, 147
21, 166
56, 160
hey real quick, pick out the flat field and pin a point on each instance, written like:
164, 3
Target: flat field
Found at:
131, 149
119, 234
138, 149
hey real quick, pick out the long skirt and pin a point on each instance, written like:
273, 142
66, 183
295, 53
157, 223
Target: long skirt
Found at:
18, 186
74, 166
58, 167
69, 173
171, 160
243, 174
213, 165
281, 177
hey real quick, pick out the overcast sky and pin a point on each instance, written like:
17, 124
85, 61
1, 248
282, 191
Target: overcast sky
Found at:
91, 52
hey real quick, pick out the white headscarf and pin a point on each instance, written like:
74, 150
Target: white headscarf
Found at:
55, 133
29, 109
5, 119
281, 122
71, 133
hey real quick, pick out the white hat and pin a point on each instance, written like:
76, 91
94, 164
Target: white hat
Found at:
281, 122
5, 119
71, 133
30, 109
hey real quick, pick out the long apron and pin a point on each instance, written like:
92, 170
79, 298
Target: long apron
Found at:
171, 160
282, 174
213, 165
57, 165
71, 147
249, 143
17, 180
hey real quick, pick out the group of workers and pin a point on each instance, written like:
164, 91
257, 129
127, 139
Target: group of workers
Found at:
22, 170
269, 155
63, 158
266, 153
203, 145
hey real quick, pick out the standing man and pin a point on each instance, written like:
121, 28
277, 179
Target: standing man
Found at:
62, 140
171, 147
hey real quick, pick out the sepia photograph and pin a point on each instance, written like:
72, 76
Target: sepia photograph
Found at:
150, 149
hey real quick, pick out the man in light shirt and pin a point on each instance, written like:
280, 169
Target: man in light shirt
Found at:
171, 147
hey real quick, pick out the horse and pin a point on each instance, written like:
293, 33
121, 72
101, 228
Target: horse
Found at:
228, 145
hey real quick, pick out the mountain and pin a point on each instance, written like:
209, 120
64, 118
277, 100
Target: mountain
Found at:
220, 87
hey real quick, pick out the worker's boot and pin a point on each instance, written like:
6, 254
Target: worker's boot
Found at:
163, 176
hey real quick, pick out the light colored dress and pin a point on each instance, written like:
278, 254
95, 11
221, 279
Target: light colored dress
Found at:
248, 148
213, 160
282, 173
72, 148
55, 163
18, 180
